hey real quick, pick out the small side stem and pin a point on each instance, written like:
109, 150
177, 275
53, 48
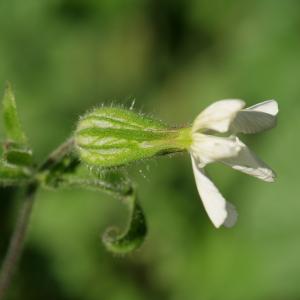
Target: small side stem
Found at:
17, 240
57, 155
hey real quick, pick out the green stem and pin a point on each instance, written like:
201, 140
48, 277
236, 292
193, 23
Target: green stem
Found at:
57, 155
17, 240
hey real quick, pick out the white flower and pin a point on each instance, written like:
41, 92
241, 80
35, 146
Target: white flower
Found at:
228, 116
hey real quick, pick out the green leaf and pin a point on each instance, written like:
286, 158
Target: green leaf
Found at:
15, 149
17, 154
116, 187
13, 175
12, 123
133, 236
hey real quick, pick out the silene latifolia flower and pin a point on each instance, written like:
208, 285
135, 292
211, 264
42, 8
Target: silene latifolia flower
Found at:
110, 137
228, 116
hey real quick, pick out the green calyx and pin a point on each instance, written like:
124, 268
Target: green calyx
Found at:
113, 136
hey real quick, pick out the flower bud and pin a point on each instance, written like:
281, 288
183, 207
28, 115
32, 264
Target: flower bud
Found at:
113, 136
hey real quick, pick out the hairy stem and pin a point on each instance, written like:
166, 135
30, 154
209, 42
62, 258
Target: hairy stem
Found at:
17, 240
57, 155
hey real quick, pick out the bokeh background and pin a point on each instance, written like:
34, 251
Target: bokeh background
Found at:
174, 58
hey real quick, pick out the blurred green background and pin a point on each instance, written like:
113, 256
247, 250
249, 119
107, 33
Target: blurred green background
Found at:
174, 57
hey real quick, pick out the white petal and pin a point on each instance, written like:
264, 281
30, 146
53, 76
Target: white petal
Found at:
232, 215
257, 118
269, 107
218, 115
218, 209
208, 148
247, 162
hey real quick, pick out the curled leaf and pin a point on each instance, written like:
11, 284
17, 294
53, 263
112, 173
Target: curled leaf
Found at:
114, 184
134, 235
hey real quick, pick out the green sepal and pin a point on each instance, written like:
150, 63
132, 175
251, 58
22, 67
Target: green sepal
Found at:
13, 175
132, 238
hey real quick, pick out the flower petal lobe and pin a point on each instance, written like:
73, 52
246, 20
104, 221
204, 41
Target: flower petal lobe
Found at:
257, 118
218, 209
218, 116
208, 148
269, 107
247, 162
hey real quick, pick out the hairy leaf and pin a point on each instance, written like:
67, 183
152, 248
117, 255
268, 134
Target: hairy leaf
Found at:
12, 123
17, 154
15, 149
